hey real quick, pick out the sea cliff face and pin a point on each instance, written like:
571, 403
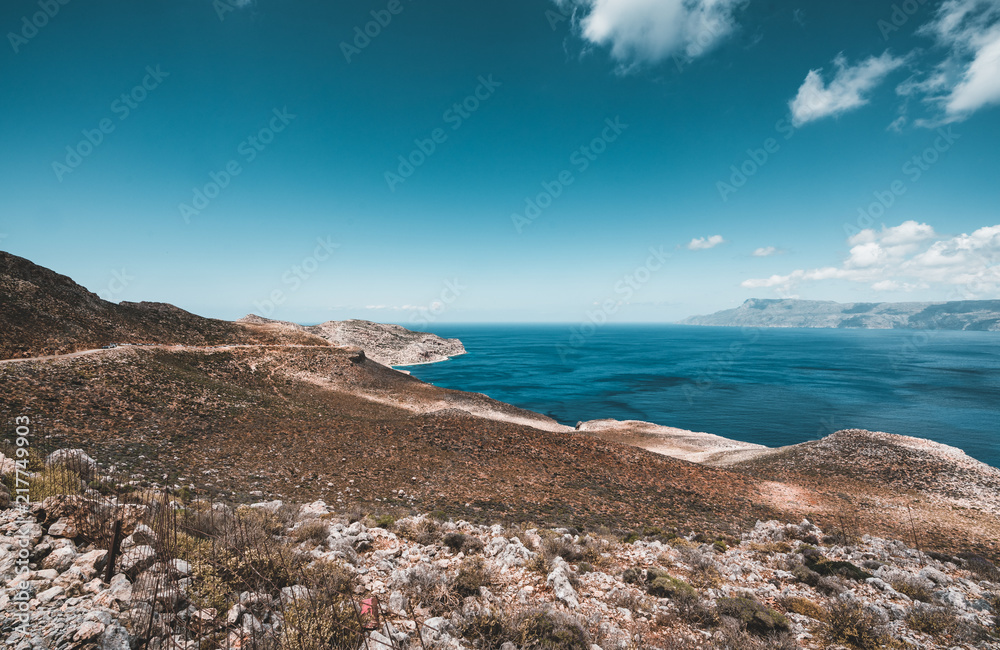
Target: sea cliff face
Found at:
983, 315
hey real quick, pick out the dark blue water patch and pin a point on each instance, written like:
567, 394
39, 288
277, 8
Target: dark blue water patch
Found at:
769, 386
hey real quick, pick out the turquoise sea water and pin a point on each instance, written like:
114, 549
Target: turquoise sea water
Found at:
769, 386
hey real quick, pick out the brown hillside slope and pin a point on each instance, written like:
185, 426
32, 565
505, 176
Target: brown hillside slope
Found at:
43, 312
256, 421
919, 490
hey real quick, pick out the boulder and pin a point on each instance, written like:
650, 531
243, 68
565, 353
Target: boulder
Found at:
136, 560
49, 594
74, 459
60, 559
91, 563
88, 631
314, 510
64, 527
559, 580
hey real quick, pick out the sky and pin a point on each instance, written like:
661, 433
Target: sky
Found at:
429, 162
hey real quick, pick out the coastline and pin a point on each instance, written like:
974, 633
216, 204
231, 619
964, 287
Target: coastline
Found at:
399, 368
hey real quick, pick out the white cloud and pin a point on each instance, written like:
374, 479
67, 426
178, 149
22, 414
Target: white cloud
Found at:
648, 31
765, 251
907, 257
846, 91
968, 78
704, 243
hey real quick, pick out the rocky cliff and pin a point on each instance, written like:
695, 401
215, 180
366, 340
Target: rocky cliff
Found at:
955, 315
390, 345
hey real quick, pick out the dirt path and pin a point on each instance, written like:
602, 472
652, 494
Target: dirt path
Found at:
70, 355
53, 357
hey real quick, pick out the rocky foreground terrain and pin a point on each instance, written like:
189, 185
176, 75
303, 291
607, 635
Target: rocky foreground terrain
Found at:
390, 345
955, 315
198, 574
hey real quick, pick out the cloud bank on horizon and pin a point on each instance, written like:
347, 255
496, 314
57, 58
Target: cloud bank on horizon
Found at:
907, 257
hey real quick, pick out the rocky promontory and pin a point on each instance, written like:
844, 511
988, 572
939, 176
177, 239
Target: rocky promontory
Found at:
390, 345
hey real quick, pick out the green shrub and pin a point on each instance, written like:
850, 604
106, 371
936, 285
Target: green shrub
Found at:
385, 521
662, 585
54, 481
753, 616
632, 576
805, 575
817, 563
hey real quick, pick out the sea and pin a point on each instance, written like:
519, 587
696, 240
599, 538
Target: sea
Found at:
772, 386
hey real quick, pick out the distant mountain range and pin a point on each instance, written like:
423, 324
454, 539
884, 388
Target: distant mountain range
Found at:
982, 315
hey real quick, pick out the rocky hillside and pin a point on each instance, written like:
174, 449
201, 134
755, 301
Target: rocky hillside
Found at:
390, 345
451, 584
956, 315
44, 313
306, 423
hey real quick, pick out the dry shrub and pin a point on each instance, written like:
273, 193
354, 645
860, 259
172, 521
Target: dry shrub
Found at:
324, 622
548, 629
472, 574
421, 530
561, 547
488, 630
912, 586
313, 530
631, 600
539, 564
980, 566
732, 636
428, 587
704, 571
935, 621
849, 623
805, 607
770, 548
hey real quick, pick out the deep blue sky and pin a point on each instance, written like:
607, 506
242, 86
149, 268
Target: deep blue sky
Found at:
691, 114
